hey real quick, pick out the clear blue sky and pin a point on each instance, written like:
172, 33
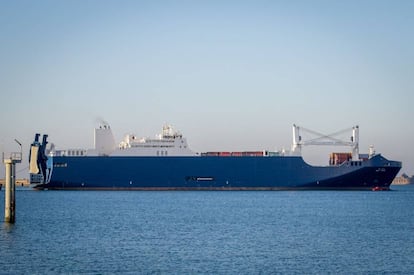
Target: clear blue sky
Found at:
231, 75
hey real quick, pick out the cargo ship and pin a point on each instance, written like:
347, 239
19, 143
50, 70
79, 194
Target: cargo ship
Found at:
167, 163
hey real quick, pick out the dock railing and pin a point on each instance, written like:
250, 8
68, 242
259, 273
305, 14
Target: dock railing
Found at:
16, 157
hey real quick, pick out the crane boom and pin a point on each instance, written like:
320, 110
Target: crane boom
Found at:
323, 139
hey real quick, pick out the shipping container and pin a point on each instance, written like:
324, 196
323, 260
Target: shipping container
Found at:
339, 158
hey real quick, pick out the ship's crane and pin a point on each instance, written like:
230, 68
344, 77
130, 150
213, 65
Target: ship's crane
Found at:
322, 139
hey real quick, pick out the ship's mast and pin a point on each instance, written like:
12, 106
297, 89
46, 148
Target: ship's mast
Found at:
322, 139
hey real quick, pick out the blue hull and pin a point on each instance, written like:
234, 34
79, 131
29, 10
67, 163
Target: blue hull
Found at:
216, 173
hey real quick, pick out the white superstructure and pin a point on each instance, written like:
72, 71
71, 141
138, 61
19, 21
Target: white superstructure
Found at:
168, 143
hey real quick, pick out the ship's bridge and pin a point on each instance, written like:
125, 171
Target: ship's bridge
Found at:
168, 143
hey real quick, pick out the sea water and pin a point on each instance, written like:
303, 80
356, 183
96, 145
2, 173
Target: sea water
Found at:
219, 232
